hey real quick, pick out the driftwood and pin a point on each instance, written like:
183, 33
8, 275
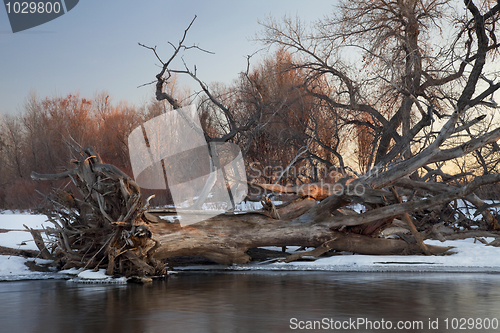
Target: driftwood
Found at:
106, 224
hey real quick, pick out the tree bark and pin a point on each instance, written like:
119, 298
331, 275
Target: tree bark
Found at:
226, 238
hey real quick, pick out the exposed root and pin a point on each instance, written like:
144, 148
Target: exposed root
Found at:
101, 226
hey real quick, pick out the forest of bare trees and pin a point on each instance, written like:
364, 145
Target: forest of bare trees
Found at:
34, 140
396, 98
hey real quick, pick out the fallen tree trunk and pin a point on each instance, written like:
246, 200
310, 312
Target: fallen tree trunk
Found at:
108, 226
226, 238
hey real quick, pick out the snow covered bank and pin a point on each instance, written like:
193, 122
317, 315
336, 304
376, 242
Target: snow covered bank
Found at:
14, 221
469, 256
13, 268
13, 234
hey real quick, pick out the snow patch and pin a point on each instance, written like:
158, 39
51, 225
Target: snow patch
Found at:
89, 276
470, 255
249, 206
13, 268
357, 207
14, 221
171, 218
18, 240
470, 210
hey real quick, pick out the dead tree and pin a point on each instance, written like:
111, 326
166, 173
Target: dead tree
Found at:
106, 225
434, 96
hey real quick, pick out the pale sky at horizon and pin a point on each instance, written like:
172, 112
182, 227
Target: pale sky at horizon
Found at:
94, 47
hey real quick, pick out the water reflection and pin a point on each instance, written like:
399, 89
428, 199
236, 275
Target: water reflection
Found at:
247, 302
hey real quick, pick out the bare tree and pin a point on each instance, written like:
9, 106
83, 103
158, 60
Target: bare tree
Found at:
412, 85
166, 73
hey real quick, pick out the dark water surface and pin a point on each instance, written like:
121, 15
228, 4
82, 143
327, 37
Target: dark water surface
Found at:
256, 302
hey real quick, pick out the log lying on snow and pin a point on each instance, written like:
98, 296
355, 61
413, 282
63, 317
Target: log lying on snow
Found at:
106, 225
226, 238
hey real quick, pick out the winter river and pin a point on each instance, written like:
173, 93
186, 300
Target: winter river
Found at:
258, 302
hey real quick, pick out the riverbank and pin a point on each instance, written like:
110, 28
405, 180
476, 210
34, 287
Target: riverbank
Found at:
468, 255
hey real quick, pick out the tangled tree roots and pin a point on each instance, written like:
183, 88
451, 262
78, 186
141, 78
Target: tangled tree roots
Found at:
101, 226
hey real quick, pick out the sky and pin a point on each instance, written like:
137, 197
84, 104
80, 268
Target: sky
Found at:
94, 47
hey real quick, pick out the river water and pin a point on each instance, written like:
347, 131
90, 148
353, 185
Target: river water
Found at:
258, 302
